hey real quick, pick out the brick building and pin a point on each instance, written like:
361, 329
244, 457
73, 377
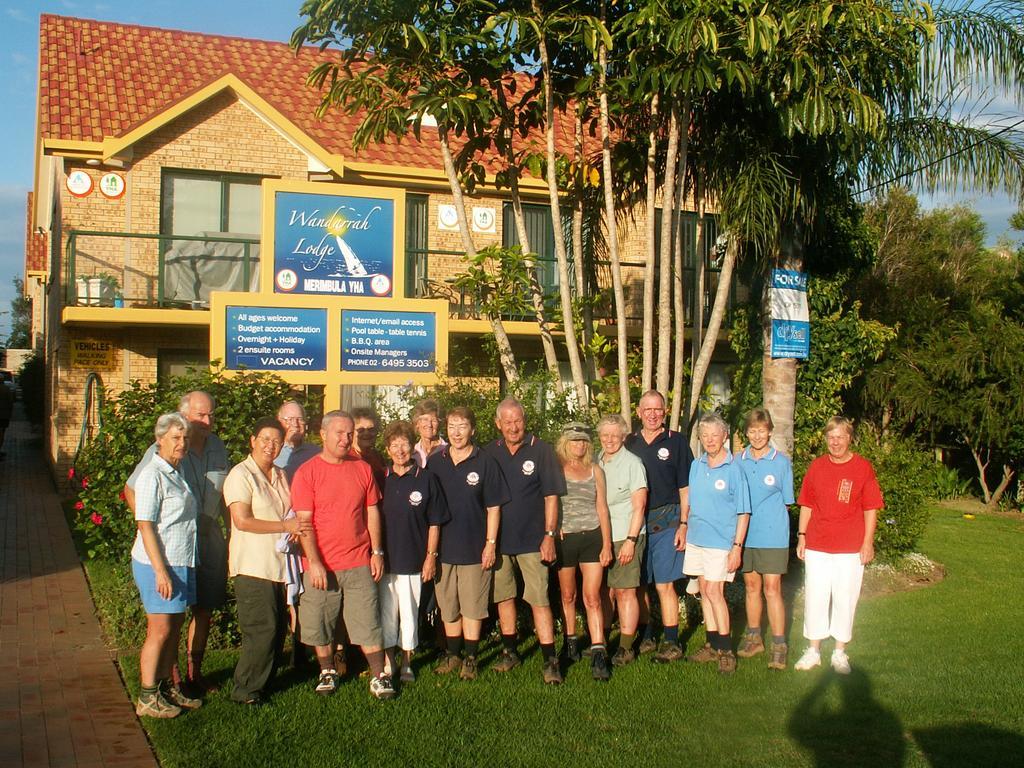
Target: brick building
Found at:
153, 148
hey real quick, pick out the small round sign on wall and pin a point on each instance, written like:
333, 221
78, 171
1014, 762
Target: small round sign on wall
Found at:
78, 183
112, 185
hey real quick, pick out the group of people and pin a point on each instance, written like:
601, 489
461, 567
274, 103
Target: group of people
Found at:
349, 547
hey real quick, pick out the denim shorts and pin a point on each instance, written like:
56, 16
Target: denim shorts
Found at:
183, 583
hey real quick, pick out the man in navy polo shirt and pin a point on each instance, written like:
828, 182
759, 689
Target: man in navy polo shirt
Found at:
529, 523
475, 490
666, 457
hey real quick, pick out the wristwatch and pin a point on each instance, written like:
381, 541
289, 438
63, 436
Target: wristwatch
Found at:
379, 552
550, 533
491, 541
634, 539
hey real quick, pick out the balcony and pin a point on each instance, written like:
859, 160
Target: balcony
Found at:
157, 271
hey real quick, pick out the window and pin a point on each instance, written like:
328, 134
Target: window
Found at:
688, 240
207, 208
417, 222
177, 362
542, 240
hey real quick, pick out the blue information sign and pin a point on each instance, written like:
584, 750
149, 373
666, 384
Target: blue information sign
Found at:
276, 339
388, 341
791, 327
333, 245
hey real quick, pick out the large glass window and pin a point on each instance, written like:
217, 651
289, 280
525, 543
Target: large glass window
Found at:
416, 243
212, 209
542, 240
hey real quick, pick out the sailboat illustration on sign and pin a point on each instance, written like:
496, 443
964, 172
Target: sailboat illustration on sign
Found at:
352, 263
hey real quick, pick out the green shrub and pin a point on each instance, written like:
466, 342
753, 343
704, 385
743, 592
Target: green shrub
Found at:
903, 472
945, 483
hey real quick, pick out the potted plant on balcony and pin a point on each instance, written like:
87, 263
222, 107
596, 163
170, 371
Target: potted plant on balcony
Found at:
97, 290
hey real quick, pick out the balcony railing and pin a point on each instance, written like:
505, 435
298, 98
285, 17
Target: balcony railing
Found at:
162, 271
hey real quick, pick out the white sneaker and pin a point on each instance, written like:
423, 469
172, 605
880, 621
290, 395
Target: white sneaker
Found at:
381, 688
810, 660
840, 662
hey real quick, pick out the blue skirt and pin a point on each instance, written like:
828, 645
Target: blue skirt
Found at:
183, 583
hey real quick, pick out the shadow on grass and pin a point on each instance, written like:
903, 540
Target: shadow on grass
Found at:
847, 726
952, 746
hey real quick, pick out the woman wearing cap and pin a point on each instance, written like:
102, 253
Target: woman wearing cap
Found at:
584, 542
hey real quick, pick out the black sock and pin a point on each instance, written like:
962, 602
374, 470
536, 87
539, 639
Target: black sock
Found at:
724, 642
571, 638
712, 638
471, 647
672, 634
455, 645
547, 650
509, 641
150, 690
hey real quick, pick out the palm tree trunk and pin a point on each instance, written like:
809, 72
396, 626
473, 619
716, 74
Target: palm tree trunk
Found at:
778, 376
613, 241
647, 380
668, 188
707, 347
564, 287
505, 354
679, 298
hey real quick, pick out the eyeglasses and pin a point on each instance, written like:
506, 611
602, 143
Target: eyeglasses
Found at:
294, 420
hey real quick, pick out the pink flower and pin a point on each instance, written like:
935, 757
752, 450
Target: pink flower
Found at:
97, 518
79, 505
71, 474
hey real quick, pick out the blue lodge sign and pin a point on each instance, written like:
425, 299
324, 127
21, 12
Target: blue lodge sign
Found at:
333, 245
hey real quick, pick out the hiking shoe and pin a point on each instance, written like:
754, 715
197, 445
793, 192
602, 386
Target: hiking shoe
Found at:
450, 663
623, 656
381, 687
647, 645
468, 668
667, 652
508, 660
407, 675
779, 655
571, 649
840, 662
726, 662
155, 705
328, 682
599, 665
174, 695
551, 672
810, 660
705, 655
751, 646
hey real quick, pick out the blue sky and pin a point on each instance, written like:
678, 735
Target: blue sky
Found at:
266, 19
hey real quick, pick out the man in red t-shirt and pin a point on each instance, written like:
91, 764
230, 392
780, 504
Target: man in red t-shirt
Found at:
839, 503
344, 556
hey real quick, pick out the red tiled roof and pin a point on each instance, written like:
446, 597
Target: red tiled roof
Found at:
35, 245
100, 79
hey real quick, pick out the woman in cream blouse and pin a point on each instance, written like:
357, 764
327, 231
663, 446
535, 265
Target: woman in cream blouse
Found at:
256, 494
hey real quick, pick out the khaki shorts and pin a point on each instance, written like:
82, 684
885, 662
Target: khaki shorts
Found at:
535, 578
463, 591
319, 608
707, 562
626, 576
767, 560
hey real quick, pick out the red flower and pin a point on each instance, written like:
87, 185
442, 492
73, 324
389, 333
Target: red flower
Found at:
121, 496
85, 482
79, 505
71, 474
97, 518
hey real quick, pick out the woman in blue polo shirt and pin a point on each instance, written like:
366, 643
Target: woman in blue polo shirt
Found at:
413, 510
713, 532
766, 555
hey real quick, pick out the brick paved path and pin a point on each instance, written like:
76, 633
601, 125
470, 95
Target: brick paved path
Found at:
61, 698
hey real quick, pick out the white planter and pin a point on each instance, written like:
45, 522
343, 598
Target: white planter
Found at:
94, 292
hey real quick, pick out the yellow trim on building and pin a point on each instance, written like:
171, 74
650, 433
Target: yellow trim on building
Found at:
434, 178
131, 316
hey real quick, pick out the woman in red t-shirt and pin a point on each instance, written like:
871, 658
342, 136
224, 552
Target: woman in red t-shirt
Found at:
839, 502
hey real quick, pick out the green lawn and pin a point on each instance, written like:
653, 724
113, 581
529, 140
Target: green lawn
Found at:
937, 681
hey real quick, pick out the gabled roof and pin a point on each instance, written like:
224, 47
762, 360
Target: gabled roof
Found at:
101, 84
35, 244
